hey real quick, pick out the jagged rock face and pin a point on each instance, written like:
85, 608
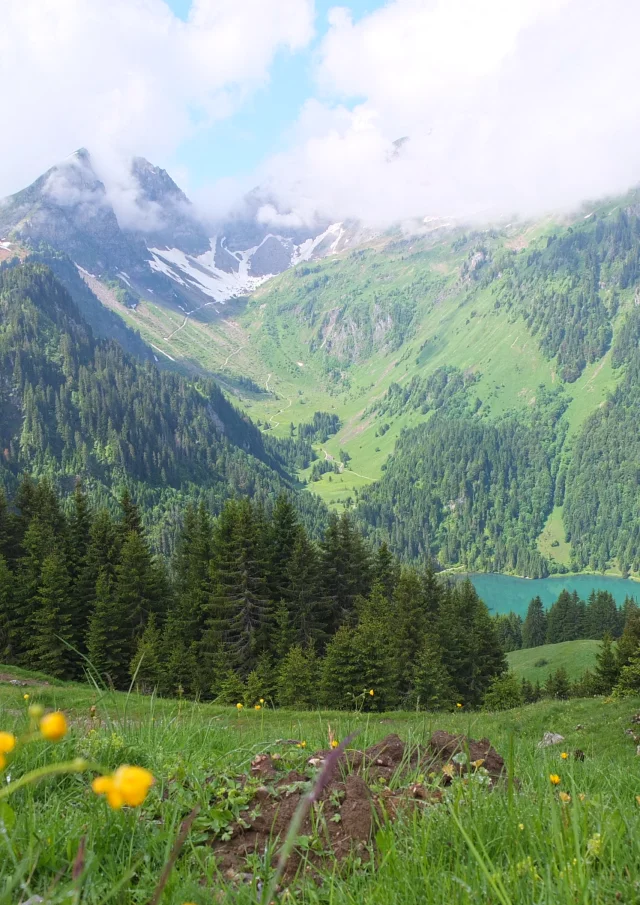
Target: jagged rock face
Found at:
152, 242
176, 222
67, 208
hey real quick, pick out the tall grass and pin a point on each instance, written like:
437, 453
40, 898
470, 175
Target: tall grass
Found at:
516, 844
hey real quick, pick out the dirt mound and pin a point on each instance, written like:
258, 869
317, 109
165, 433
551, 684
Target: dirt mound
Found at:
385, 780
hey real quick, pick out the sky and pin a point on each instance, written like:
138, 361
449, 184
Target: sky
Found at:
508, 107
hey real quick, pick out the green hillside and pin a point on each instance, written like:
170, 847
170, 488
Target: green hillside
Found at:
574, 656
505, 340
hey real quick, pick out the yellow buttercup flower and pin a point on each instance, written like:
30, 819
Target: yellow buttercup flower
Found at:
25, 697
564, 755
335, 744
301, 745
128, 785
521, 826
7, 742
564, 796
35, 711
53, 726
582, 797
371, 692
262, 700
458, 705
257, 707
554, 779
239, 706
477, 763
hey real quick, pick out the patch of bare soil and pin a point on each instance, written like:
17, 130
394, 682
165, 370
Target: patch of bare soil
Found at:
383, 781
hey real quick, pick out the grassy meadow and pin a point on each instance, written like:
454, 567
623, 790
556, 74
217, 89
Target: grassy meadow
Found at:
517, 844
574, 656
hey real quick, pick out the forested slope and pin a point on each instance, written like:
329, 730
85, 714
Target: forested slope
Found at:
71, 405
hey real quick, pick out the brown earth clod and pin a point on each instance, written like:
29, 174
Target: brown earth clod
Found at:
381, 782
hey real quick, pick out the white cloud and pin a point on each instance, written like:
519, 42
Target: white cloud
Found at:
126, 77
511, 106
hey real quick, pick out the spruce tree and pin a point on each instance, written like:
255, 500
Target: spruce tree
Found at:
299, 679
629, 643
146, 667
534, 627
240, 600
50, 623
282, 536
407, 626
83, 585
385, 570
108, 637
431, 687
341, 676
309, 608
558, 684
607, 669
6, 608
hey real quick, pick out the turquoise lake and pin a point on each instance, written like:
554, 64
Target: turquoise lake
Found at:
503, 593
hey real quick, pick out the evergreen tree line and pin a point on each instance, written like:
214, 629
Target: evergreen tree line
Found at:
249, 607
568, 619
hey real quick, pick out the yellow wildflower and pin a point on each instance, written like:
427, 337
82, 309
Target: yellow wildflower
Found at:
371, 692
594, 845
302, 744
448, 770
35, 711
564, 755
477, 763
7, 742
262, 700
564, 796
582, 797
521, 826
335, 744
128, 785
25, 697
239, 706
458, 704
554, 779
53, 726
257, 707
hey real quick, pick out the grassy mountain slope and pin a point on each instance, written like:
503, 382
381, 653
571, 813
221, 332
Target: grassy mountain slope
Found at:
574, 656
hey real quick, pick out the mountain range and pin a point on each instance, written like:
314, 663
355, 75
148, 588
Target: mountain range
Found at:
480, 383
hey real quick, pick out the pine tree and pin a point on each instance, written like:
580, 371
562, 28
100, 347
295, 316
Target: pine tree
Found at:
261, 682
298, 679
534, 628
607, 670
50, 624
